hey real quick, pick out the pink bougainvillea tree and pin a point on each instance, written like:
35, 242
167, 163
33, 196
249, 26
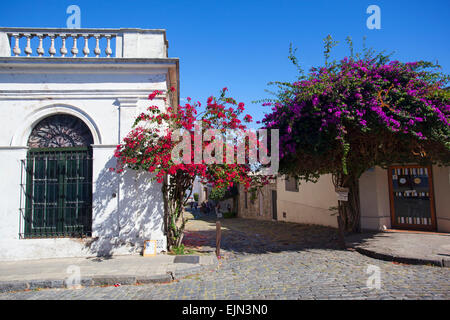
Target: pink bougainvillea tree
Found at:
151, 143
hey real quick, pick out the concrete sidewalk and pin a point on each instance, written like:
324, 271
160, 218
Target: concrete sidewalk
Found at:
97, 271
404, 246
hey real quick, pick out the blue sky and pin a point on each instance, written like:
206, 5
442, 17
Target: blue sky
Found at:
243, 45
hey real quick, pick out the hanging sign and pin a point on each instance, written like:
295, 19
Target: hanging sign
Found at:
342, 193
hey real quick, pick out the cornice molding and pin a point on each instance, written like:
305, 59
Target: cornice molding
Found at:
127, 102
146, 63
122, 95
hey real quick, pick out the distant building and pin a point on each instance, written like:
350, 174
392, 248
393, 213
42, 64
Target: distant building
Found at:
261, 205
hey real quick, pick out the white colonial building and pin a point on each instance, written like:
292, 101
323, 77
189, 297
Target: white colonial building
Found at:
67, 98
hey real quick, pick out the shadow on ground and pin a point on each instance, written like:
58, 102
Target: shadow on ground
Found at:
249, 236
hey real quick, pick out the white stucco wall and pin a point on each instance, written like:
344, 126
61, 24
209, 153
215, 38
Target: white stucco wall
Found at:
142, 44
127, 208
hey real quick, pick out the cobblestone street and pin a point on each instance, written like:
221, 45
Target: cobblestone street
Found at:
270, 260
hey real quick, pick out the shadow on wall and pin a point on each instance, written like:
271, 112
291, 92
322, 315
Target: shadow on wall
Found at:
122, 222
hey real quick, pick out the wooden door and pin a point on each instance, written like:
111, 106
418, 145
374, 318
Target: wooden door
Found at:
274, 205
412, 198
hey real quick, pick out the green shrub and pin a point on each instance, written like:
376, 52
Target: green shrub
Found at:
217, 194
196, 196
230, 214
178, 250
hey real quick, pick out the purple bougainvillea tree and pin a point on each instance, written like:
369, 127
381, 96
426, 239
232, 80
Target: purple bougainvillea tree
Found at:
363, 111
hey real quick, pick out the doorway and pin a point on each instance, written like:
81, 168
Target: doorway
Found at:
412, 198
274, 205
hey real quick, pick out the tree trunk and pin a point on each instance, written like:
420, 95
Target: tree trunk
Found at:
349, 211
174, 190
165, 192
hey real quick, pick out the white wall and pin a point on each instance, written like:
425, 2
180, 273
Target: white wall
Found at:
143, 44
127, 208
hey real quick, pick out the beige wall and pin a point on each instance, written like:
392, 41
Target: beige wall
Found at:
375, 205
308, 205
311, 203
441, 183
374, 199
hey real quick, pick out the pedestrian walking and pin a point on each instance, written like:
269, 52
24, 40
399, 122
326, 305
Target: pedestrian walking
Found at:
218, 213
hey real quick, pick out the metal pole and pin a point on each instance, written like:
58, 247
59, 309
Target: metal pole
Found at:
218, 237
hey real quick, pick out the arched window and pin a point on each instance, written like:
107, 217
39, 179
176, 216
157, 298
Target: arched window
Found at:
58, 190
59, 131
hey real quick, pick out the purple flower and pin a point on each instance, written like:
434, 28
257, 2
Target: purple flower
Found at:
315, 101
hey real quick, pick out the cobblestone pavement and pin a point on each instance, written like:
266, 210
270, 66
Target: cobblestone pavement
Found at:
270, 260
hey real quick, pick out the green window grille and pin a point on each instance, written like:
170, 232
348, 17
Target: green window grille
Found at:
57, 193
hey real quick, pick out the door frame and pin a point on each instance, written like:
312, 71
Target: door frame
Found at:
407, 226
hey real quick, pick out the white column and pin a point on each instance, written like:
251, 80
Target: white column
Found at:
5, 46
130, 42
127, 115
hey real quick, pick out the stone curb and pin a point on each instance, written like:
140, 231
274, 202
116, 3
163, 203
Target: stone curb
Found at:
9, 286
101, 280
399, 259
186, 272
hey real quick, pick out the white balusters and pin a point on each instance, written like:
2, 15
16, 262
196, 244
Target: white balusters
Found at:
97, 50
16, 49
108, 50
86, 45
28, 49
62, 45
74, 48
63, 49
52, 50
40, 50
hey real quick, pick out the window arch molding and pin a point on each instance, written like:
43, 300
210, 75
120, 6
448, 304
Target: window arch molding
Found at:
60, 130
22, 134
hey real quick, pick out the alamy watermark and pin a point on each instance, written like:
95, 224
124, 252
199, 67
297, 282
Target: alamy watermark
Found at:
73, 281
74, 20
374, 20
241, 147
374, 279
